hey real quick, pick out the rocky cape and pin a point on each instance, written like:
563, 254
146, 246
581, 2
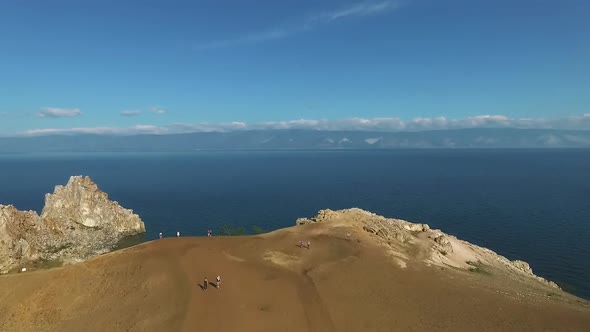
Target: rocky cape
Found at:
77, 222
408, 242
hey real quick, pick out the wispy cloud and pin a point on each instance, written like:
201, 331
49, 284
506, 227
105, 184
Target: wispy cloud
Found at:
138, 129
158, 110
130, 112
392, 124
52, 112
363, 9
359, 9
155, 110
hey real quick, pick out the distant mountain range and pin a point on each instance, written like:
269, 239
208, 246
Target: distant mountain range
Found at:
301, 139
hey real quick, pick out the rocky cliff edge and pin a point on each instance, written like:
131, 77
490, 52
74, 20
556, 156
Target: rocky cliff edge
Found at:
78, 222
409, 242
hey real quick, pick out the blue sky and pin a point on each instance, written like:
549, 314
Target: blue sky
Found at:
175, 66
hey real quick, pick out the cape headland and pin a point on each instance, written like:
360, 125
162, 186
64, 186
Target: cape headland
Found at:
77, 222
346, 270
410, 243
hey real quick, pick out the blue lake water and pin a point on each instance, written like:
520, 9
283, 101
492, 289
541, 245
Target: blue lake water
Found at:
525, 204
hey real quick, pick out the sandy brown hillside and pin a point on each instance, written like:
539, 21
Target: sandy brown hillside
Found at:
347, 281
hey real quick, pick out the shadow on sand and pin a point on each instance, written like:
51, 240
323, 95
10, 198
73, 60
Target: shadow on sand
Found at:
211, 284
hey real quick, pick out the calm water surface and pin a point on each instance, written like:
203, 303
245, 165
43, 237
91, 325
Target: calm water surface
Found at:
525, 204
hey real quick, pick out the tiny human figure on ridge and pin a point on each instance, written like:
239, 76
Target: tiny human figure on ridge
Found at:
218, 282
160, 235
308, 244
177, 234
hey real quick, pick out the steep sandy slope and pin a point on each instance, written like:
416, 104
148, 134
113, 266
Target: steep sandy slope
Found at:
349, 280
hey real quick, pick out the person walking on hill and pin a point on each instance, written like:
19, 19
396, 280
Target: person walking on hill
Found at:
218, 282
205, 284
177, 234
160, 235
308, 244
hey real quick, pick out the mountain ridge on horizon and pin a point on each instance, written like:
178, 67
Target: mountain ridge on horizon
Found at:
293, 139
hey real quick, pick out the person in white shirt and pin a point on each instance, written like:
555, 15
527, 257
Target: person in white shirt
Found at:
177, 234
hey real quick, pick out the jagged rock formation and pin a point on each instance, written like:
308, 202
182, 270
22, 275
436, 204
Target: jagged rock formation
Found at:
77, 222
404, 239
524, 266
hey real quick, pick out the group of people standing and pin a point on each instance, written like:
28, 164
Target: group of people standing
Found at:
209, 234
160, 235
217, 283
218, 279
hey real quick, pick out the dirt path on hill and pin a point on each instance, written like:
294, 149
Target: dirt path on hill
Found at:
316, 314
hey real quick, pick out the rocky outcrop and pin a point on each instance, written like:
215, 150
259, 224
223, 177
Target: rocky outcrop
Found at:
526, 268
385, 228
404, 239
444, 244
77, 222
523, 266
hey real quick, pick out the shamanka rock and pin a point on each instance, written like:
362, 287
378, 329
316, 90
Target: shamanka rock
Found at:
78, 222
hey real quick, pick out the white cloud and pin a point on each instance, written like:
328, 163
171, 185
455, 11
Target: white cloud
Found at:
206, 127
484, 120
158, 110
130, 112
427, 123
363, 9
353, 124
138, 129
360, 9
384, 124
52, 112
154, 109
